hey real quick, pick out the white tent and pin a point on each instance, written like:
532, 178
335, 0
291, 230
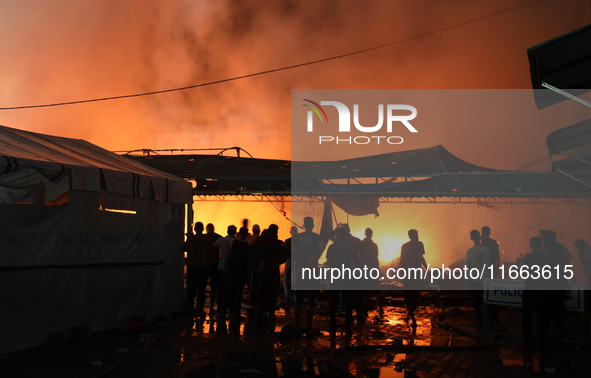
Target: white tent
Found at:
88, 238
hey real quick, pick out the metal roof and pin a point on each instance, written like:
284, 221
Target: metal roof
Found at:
430, 172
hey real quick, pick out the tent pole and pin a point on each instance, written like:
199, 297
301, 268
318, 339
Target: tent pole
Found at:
566, 94
190, 217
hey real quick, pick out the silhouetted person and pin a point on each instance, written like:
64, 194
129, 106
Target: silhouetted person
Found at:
343, 252
267, 251
217, 283
585, 257
252, 262
200, 255
214, 236
493, 248
235, 273
369, 257
286, 246
357, 295
560, 257
535, 301
494, 259
412, 255
245, 225
306, 249
210, 231
476, 258
256, 233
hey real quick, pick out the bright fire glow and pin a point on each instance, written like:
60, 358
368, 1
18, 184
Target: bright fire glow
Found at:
119, 211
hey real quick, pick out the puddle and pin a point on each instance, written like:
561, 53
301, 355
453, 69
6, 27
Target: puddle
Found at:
383, 372
510, 358
383, 365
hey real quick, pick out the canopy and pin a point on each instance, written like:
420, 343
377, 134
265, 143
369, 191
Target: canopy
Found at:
428, 172
569, 137
39, 167
424, 162
564, 62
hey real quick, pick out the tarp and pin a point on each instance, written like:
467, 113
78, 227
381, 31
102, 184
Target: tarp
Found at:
569, 137
31, 159
427, 172
72, 264
63, 267
470, 185
424, 162
564, 62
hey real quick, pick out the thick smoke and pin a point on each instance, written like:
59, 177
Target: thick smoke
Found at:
86, 49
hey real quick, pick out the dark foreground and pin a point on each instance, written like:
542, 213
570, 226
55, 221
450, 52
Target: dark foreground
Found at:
443, 346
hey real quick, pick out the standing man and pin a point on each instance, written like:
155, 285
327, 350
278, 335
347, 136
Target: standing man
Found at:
494, 259
214, 236
286, 246
476, 257
235, 271
217, 283
200, 256
369, 257
560, 257
306, 249
494, 255
585, 256
534, 300
210, 231
412, 255
343, 253
267, 251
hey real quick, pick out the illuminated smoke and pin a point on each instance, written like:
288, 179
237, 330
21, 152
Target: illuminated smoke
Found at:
86, 49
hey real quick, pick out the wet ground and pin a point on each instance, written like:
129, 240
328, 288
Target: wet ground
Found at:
385, 346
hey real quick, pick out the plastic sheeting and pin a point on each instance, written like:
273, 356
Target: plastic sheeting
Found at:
77, 266
569, 137
564, 62
423, 162
88, 167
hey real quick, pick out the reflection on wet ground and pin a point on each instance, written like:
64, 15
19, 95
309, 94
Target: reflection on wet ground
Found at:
206, 352
385, 346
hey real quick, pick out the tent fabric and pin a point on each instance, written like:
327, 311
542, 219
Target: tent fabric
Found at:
78, 265
493, 185
197, 167
569, 137
424, 162
564, 62
358, 205
420, 162
89, 166
579, 161
432, 172
218, 175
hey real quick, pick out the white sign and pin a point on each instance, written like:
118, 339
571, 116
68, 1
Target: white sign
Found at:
510, 292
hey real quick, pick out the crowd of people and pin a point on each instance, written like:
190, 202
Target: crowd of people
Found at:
229, 263
244, 259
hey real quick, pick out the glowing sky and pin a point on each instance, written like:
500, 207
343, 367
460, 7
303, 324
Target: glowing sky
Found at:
79, 49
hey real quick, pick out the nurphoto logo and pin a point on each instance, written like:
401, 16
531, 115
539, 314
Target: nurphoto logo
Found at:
392, 115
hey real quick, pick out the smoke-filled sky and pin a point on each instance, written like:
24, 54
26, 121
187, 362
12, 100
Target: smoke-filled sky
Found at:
81, 49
